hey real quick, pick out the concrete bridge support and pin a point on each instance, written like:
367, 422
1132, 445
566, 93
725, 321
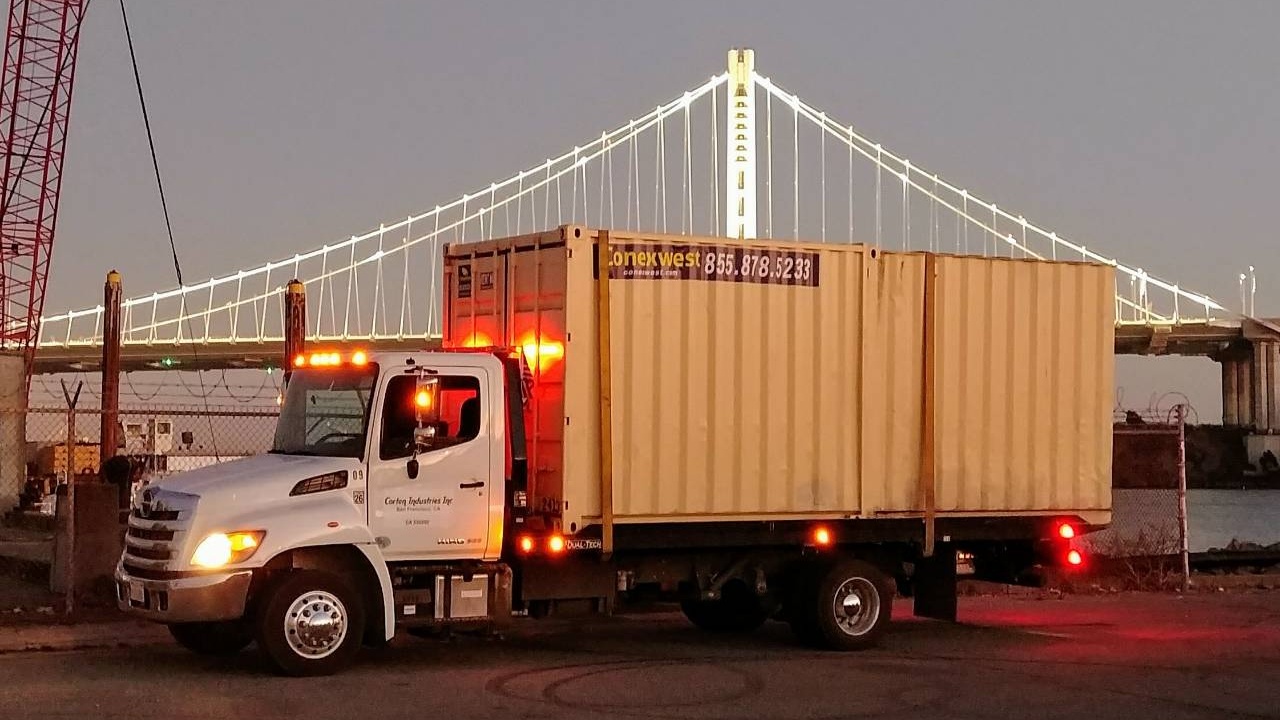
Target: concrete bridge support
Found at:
1251, 386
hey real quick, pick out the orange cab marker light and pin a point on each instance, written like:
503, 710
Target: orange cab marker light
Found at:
300, 361
423, 399
526, 544
359, 358
556, 544
1066, 532
1075, 558
821, 536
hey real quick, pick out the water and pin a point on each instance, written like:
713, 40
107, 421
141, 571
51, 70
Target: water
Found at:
1215, 517
1145, 521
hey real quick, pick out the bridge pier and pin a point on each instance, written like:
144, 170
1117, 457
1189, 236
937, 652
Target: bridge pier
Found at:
1251, 386
1251, 395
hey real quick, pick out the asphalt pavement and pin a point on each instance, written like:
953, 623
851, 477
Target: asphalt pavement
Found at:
1213, 655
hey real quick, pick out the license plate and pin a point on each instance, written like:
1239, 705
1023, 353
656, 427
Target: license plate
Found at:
137, 594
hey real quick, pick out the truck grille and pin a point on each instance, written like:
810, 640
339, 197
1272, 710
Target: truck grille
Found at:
156, 514
155, 539
150, 534
150, 553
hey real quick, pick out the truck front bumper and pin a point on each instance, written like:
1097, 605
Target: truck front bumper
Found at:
199, 598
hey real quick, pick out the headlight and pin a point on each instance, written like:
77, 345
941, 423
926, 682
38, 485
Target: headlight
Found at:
226, 548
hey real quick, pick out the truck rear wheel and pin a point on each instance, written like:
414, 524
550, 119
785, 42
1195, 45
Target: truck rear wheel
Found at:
217, 639
851, 606
737, 610
310, 623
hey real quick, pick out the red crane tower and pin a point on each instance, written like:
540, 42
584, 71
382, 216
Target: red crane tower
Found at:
35, 106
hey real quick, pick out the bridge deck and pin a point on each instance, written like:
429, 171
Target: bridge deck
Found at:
1205, 339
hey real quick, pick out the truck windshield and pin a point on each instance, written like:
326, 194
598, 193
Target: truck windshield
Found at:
325, 412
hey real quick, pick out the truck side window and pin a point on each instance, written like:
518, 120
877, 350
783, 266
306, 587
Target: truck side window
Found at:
454, 419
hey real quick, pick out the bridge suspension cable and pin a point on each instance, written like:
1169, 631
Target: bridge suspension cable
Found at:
384, 284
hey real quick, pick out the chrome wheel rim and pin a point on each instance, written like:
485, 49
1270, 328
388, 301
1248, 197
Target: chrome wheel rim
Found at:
856, 606
316, 624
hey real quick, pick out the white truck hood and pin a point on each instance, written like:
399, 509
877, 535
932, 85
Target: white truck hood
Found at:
256, 476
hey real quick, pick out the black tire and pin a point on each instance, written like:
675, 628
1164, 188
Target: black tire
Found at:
851, 606
215, 639
310, 623
738, 610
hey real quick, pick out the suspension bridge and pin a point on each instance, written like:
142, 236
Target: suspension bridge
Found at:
738, 155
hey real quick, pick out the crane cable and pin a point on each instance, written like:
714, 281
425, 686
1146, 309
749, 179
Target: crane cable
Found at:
173, 247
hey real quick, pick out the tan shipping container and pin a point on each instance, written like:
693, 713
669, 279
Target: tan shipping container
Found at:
766, 380
52, 459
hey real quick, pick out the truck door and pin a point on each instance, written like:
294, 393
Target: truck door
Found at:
442, 513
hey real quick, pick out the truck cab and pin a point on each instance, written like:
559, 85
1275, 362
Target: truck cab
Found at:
383, 500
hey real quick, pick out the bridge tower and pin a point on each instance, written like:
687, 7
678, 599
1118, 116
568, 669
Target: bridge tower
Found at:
740, 146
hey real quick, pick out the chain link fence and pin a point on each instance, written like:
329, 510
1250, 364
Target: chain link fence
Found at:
1147, 542
41, 447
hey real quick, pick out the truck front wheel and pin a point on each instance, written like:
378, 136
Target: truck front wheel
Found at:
213, 638
852, 604
310, 623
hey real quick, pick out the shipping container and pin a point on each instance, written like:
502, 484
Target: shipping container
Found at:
766, 380
52, 459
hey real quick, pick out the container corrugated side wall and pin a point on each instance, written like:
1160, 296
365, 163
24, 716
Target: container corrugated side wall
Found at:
1024, 385
743, 400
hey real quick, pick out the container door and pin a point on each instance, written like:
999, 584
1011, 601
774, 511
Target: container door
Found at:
442, 513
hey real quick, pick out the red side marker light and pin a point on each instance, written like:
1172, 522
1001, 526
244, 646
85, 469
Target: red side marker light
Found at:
556, 544
1066, 532
1075, 558
821, 536
526, 544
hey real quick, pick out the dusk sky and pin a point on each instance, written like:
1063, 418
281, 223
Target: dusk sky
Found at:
1146, 130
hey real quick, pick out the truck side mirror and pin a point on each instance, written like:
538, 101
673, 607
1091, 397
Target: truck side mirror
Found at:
424, 405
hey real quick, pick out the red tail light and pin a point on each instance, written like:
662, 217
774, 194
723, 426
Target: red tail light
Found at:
555, 544
526, 544
1074, 558
1066, 532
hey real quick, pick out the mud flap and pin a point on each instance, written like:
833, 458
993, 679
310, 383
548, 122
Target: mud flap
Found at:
934, 584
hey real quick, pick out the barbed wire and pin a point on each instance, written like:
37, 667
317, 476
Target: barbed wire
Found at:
148, 391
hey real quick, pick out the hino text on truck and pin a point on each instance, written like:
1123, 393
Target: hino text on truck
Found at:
756, 429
